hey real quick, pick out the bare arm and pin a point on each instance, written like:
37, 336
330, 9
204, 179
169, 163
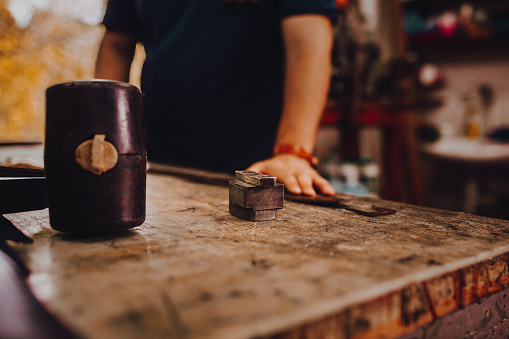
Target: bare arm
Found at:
308, 43
115, 56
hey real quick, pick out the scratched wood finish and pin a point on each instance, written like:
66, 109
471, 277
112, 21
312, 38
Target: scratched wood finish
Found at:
194, 271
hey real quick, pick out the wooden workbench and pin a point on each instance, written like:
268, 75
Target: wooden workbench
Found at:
194, 271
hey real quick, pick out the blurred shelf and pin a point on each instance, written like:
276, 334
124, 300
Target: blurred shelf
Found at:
435, 28
382, 112
447, 4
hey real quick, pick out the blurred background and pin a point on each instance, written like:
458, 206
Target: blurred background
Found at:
418, 108
42, 42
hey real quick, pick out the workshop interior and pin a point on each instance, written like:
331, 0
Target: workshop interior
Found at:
415, 128
417, 109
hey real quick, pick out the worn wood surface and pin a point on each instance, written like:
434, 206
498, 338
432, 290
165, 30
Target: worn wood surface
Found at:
192, 270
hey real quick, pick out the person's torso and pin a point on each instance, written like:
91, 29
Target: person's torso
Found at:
213, 76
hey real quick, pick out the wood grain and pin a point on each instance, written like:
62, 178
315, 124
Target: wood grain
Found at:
192, 270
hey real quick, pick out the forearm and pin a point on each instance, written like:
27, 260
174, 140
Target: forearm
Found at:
308, 43
115, 56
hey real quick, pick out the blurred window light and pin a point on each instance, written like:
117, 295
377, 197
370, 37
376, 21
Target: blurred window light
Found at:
87, 11
41, 4
370, 9
21, 11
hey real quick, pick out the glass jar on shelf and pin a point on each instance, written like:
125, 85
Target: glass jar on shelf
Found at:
473, 124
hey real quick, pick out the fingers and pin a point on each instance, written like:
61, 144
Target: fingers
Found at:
323, 185
288, 179
306, 184
296, 174
258, 167
292, 185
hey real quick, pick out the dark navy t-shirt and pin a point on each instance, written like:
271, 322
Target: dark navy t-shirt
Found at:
213, 76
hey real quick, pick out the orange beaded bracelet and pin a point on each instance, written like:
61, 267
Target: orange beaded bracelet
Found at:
298, 151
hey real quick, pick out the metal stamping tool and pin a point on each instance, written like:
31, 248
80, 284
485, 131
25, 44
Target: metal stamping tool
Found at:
255, 196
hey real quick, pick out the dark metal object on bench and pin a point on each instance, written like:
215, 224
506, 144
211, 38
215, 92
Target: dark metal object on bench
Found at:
255, 196
95, 156
340, 202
